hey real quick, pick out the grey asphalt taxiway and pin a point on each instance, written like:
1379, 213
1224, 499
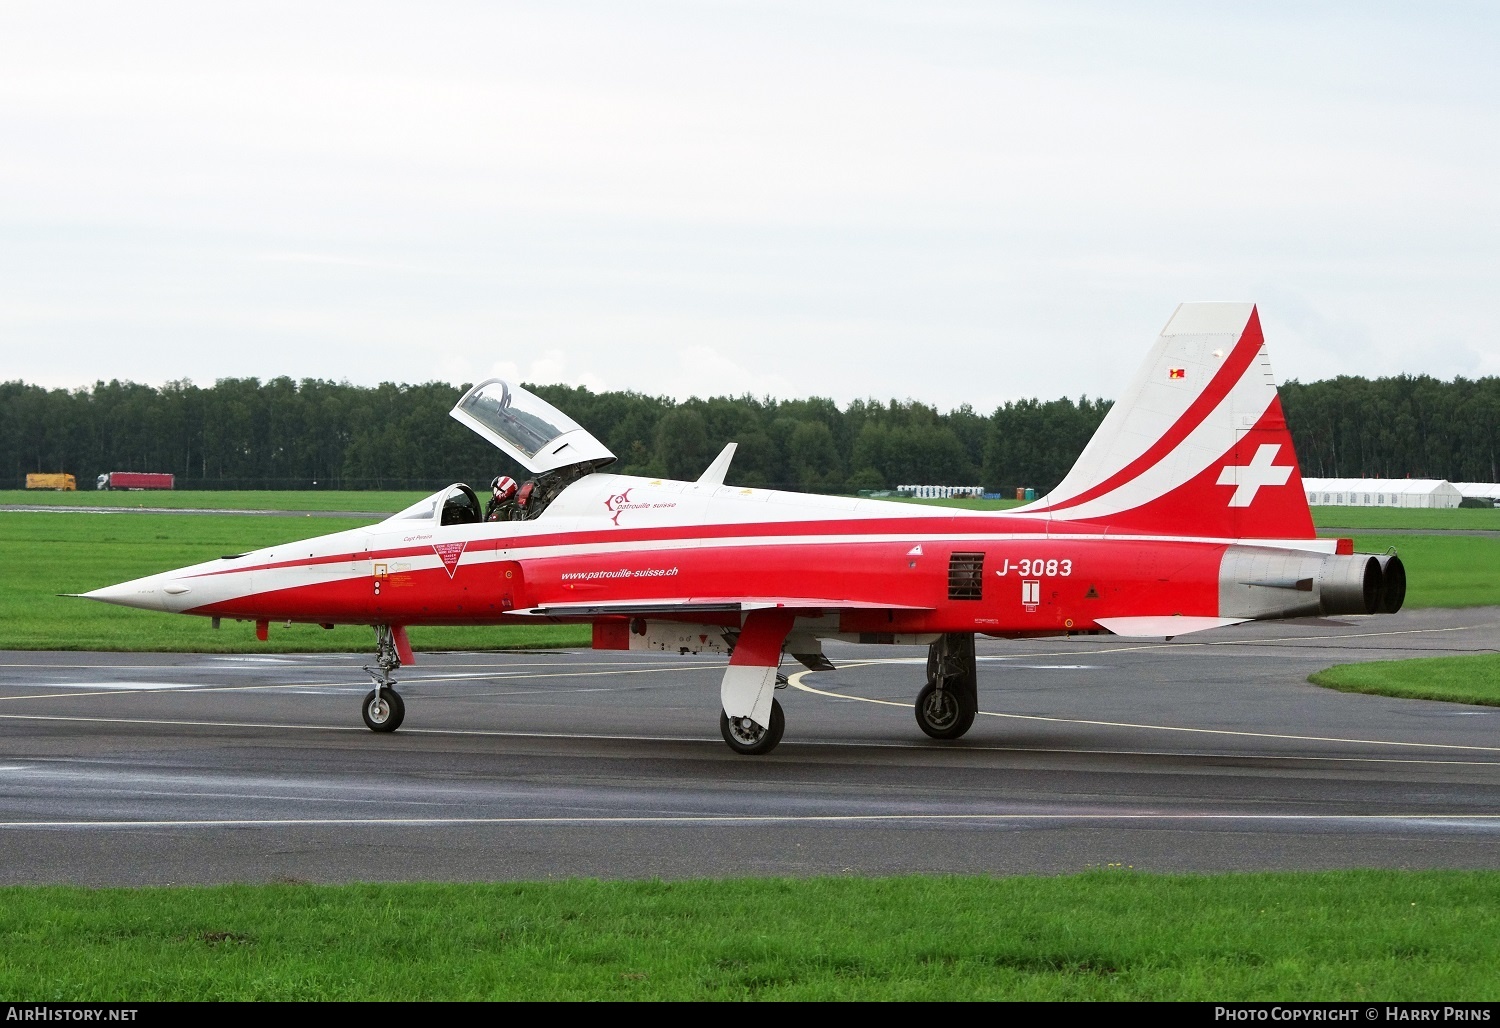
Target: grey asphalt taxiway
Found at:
1207, 753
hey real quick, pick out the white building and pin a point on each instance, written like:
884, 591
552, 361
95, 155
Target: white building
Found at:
1380, 492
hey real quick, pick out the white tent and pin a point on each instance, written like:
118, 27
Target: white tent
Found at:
1380, 492
1482, 490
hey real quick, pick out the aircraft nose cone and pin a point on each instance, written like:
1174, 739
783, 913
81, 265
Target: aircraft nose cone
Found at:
146, 593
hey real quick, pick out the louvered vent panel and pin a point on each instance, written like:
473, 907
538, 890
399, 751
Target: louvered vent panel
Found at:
966, 576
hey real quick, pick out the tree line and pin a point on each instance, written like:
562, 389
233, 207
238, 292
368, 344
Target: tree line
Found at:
285, 434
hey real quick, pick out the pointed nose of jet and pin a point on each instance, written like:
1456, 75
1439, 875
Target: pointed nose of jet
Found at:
155, 592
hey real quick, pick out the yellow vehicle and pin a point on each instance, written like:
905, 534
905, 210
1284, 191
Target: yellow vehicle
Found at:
59, 482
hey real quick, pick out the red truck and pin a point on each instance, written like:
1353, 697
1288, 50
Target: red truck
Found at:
134, 480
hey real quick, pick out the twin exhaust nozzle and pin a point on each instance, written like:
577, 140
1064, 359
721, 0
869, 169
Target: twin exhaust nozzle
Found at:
1268, 582
1363, 583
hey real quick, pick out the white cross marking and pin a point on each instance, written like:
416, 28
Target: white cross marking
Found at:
1248, 478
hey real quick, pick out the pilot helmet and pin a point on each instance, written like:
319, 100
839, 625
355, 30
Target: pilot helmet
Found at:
504, 487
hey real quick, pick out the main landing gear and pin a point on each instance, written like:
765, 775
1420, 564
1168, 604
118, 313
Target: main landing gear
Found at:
745, 736
945, 708
948, 702
383, 708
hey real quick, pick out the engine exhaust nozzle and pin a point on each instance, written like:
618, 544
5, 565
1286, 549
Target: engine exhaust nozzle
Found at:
1353, 584
1393, 581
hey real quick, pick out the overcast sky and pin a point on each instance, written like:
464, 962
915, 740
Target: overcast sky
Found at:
953, 202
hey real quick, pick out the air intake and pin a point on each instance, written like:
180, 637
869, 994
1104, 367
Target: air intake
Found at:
966, 576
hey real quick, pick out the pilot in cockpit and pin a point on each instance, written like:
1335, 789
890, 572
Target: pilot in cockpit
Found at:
553, 447
502, 499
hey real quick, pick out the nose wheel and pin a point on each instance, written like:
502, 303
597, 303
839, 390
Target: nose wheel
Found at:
384, 710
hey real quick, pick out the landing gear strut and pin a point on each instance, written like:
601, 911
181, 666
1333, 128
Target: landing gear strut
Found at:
948, 702
383, 708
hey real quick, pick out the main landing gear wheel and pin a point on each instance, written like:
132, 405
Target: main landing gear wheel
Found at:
745, 736
948, 702
942, 713
384, 710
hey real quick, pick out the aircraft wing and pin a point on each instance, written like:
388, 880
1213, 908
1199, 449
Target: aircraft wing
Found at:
705, 605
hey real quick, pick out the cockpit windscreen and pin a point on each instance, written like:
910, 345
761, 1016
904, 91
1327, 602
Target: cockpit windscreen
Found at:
455, 505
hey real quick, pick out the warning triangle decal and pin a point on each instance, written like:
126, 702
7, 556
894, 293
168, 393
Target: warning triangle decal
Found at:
449, 554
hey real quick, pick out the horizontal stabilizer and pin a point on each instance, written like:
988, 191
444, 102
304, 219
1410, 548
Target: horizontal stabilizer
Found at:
1165, 626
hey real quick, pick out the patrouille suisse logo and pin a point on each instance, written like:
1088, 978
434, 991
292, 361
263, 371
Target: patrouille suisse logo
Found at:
449, 553
619, 504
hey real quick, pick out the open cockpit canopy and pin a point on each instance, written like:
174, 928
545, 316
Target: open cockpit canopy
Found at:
527, 428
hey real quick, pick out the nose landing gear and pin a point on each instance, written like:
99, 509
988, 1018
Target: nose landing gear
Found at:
383, 708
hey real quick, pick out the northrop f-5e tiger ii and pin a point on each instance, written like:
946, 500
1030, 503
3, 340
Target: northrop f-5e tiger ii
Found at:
1185, 512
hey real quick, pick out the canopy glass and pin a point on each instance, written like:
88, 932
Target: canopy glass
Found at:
528, 428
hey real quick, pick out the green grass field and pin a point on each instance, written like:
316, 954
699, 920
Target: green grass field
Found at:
1468, 679
1105, 935
313, 499
1443, 570
47, 554
307, 500
1376, 518
390, 502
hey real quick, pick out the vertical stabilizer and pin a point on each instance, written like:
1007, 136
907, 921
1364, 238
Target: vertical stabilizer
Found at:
1197, 443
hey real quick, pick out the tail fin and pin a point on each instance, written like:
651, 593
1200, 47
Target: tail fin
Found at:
1198, 443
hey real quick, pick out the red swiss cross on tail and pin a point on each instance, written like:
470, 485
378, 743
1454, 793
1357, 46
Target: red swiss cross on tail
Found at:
449, 553
1197, 442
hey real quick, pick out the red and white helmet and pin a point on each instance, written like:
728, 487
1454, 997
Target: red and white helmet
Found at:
503, 487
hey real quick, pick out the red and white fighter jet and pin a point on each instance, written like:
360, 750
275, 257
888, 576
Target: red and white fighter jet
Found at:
1185, 512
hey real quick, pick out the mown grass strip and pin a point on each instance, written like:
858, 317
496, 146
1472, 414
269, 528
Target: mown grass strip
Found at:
1473, 678
1112, 935
47, 554
1377, 518
1443, 570
213, 499
392, 501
